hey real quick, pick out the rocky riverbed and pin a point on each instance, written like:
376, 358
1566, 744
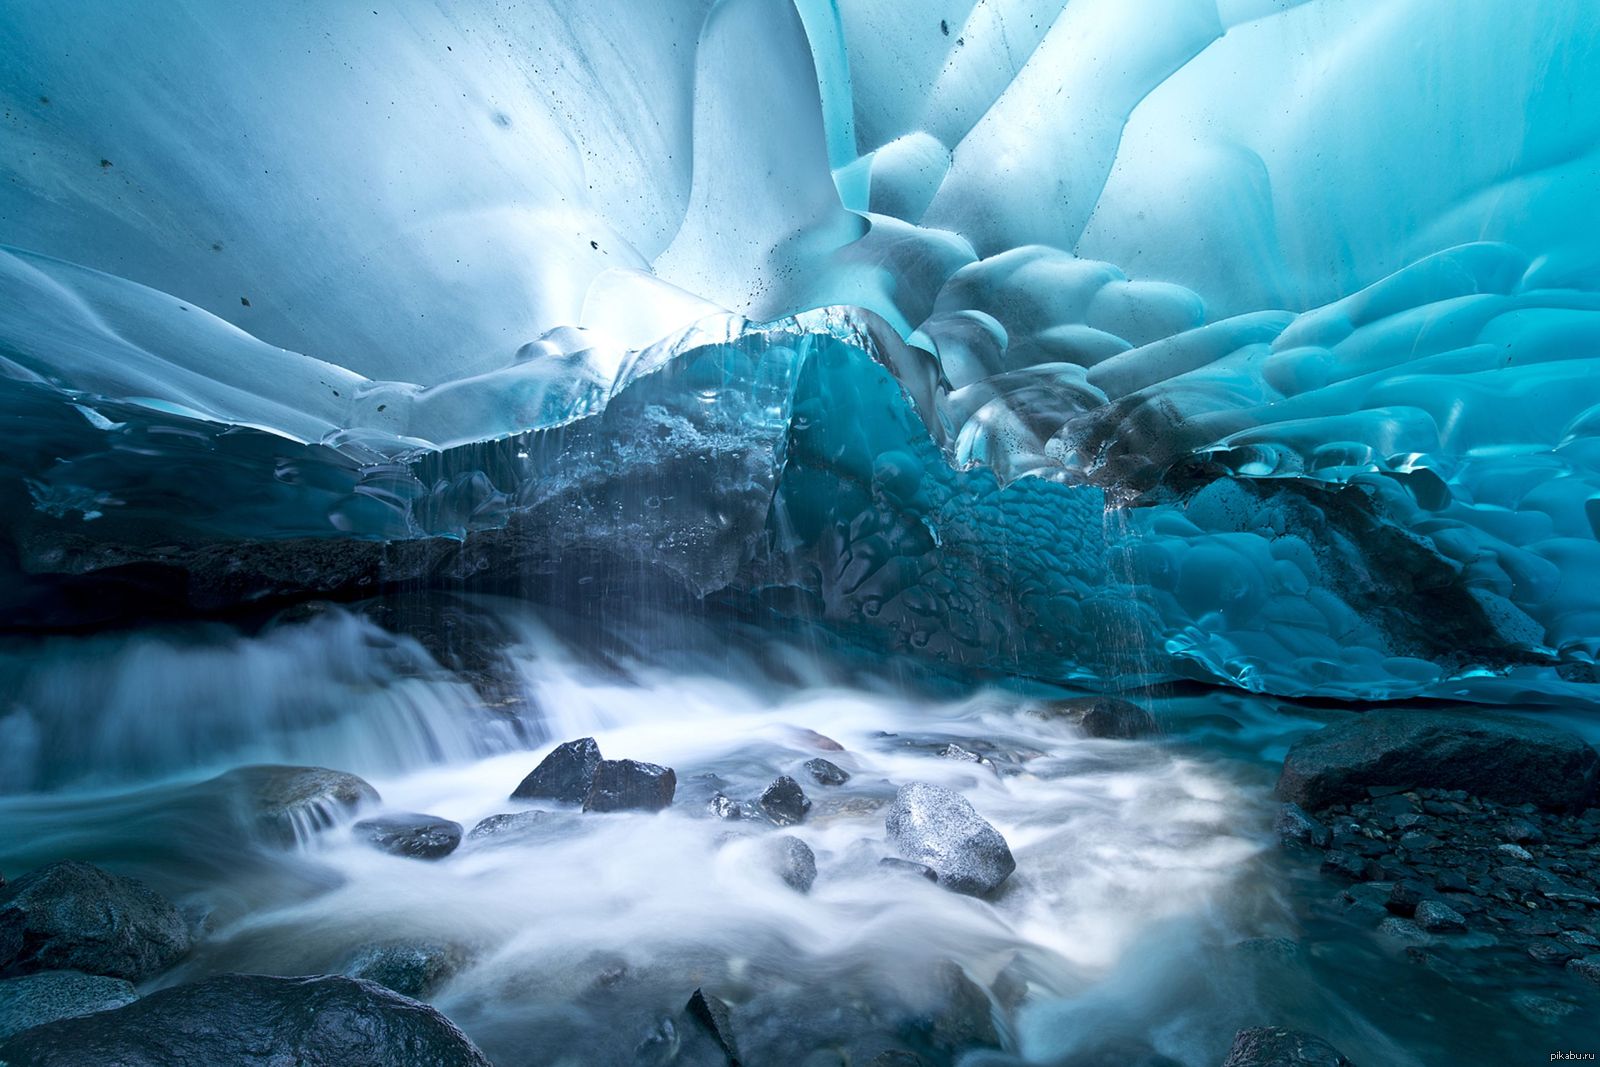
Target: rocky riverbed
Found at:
827, 876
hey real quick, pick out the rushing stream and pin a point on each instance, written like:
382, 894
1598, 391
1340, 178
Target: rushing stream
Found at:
1148, 914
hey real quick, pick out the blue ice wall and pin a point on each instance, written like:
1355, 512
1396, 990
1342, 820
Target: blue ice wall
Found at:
1238, 339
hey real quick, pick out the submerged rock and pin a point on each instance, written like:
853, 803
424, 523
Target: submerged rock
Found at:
1273, 1046
795, 862
1500, 758
961, 1017
714, 1017
629, 785
564, 775
784, 802
516, 826
35, 999
935, 826
249, 1020
826, 772
423, 837
1106, 717
410, 968
287, 804
77, 917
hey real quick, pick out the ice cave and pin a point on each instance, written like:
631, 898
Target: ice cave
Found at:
832, 533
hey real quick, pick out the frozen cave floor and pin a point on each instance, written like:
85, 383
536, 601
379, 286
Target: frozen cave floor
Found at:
1163, 898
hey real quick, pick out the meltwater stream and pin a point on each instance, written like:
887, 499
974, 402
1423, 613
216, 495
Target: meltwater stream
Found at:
1147, 917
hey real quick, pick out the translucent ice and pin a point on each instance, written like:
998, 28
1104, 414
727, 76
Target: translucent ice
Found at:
1246, 340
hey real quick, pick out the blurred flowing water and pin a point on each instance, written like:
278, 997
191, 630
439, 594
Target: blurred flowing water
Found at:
1140, 916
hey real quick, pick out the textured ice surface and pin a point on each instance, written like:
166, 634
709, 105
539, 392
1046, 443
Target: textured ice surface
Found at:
1247, 340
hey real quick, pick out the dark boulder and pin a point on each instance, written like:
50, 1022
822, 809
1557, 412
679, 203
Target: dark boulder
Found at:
77, 917
564, 775
249, 1020
794, 861
1273, 1046
628, 785
410, 968
826, 772
1106, 717
422, 837
1495, 757
784, 802
287, 804
36, 999
961, 1016
935, 826
713, 1016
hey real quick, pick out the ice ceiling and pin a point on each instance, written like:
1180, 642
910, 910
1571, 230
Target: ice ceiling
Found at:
1245, 340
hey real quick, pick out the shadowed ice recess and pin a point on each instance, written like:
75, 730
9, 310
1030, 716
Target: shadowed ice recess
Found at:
1247, 341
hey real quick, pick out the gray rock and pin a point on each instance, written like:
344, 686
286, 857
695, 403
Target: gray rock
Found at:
962, 1017
795, 862
714, 1017
722, 806
826, 772
935, 826
1294, 824
35, 999
784, 802
1587, 968
422, 837
249, 1020
1439, 918
514, 826
1511, 760
564, 775
77, 917
410, 968
1273, 1046
287, 804
628, 785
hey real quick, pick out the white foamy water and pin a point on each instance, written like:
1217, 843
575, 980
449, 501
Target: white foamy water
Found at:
1139, 864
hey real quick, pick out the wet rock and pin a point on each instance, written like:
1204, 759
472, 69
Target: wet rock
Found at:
514, 826
1273, 1046
961, 1018
1587, 968
895, 1058
76, 917
422, 837
935, 826
1105, 717
722, 806
1404, 930
1516, 852
254, 1021
1345, 864
1294, 824
410, 968
287, 804
794, 861
564, 775
1500, 758
1405, 897
713, 1016
1437, 918
1552, 953
628, 785
784, 802
897, 865
35, 999
826, 772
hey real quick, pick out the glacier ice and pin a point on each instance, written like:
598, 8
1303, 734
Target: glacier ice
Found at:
1250, 341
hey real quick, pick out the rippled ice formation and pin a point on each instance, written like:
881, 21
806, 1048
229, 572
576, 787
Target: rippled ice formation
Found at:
1240, 339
